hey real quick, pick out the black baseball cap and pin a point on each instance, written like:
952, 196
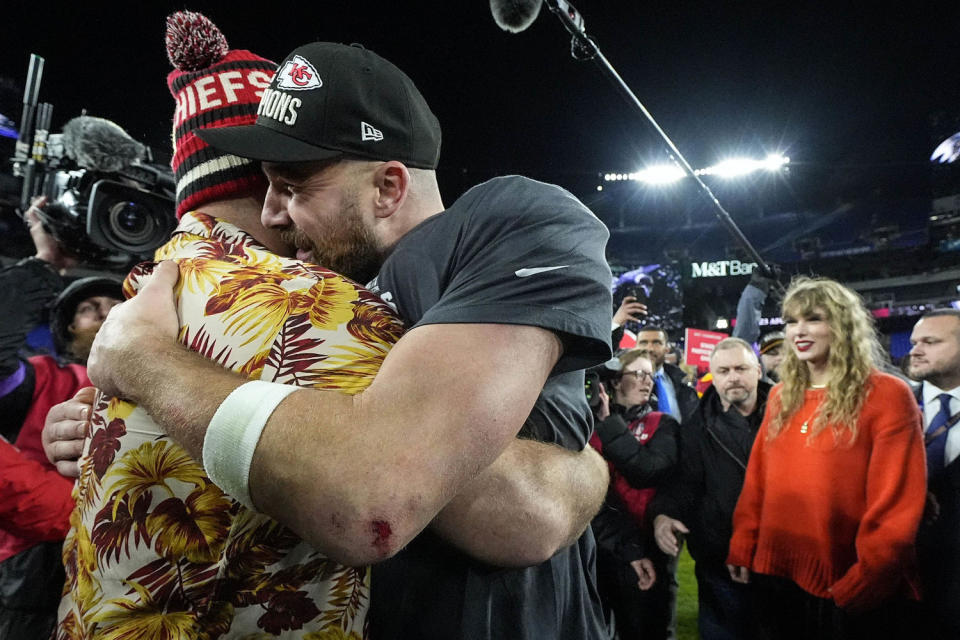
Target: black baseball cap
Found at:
770, 341
330, 99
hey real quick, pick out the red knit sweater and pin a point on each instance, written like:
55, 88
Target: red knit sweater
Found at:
838, 520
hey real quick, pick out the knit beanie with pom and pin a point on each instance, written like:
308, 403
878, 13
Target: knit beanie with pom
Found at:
214, 87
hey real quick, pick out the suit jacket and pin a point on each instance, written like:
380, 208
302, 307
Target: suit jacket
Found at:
687, 398
938, 548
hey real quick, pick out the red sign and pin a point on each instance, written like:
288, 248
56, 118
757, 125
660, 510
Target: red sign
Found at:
698, 345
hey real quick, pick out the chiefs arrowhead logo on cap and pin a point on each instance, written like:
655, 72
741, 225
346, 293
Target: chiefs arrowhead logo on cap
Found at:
298, 74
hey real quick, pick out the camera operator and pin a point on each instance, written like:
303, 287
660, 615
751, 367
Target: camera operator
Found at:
35, 500
640, 445
747, 327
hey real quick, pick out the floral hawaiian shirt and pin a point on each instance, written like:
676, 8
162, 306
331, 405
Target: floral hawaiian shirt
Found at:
156, 550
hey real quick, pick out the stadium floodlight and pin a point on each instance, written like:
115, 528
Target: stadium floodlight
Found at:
730, 168
660, 174
775, 162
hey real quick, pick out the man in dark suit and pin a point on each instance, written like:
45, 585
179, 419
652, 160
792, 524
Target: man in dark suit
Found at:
935, 361
674, 396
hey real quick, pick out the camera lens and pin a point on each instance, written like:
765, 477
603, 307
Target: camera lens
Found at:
131, 223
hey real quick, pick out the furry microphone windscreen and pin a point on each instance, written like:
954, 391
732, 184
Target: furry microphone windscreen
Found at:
515, 15
100, 145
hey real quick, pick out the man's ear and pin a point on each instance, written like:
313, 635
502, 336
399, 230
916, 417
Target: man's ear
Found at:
392, 180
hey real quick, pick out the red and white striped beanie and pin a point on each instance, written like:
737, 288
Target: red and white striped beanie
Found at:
213, 87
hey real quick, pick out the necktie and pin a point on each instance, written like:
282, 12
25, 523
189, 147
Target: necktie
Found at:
663, 400
937, 448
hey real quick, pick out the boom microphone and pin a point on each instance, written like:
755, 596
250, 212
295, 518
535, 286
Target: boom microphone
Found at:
515, 15
100, 145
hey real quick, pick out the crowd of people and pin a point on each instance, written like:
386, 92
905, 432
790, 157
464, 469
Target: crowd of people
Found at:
275, 449
822, 507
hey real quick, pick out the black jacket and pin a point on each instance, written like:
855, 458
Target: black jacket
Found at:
938, 547
644, 465
648, 465
687, 398
31, 583
714, 449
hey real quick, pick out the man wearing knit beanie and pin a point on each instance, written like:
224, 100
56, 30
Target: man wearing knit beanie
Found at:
167, 553
168, 550
213, 86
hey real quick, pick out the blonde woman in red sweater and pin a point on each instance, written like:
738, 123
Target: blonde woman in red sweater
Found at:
835, 487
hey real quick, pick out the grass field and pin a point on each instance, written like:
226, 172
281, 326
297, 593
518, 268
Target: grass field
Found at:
686, 599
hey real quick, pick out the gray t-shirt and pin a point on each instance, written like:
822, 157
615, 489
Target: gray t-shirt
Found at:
509, 251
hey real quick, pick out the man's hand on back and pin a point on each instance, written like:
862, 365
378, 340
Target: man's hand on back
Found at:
65, 429
134, 330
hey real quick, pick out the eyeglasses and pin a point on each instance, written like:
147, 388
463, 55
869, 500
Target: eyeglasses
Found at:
639, 374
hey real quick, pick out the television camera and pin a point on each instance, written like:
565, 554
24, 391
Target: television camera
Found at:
107, 203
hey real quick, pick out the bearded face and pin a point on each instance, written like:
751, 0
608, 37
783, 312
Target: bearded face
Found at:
348, 248
82, 341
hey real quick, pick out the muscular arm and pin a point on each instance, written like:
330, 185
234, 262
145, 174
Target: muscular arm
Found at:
357, 476
531, 486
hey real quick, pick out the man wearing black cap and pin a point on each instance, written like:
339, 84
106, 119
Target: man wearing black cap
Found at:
513, 270
771, 356
35, 500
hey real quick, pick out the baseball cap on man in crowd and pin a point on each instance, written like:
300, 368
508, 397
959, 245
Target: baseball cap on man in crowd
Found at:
771, 341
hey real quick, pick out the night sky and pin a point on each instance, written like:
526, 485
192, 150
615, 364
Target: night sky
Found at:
840, 90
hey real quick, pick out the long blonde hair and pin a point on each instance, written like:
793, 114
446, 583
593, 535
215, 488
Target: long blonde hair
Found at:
854, 354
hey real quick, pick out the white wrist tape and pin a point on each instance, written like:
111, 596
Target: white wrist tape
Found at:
234, 432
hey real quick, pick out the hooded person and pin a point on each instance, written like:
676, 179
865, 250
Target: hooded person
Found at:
77, 313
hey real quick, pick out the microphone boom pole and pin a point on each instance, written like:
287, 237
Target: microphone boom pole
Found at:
584, 48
